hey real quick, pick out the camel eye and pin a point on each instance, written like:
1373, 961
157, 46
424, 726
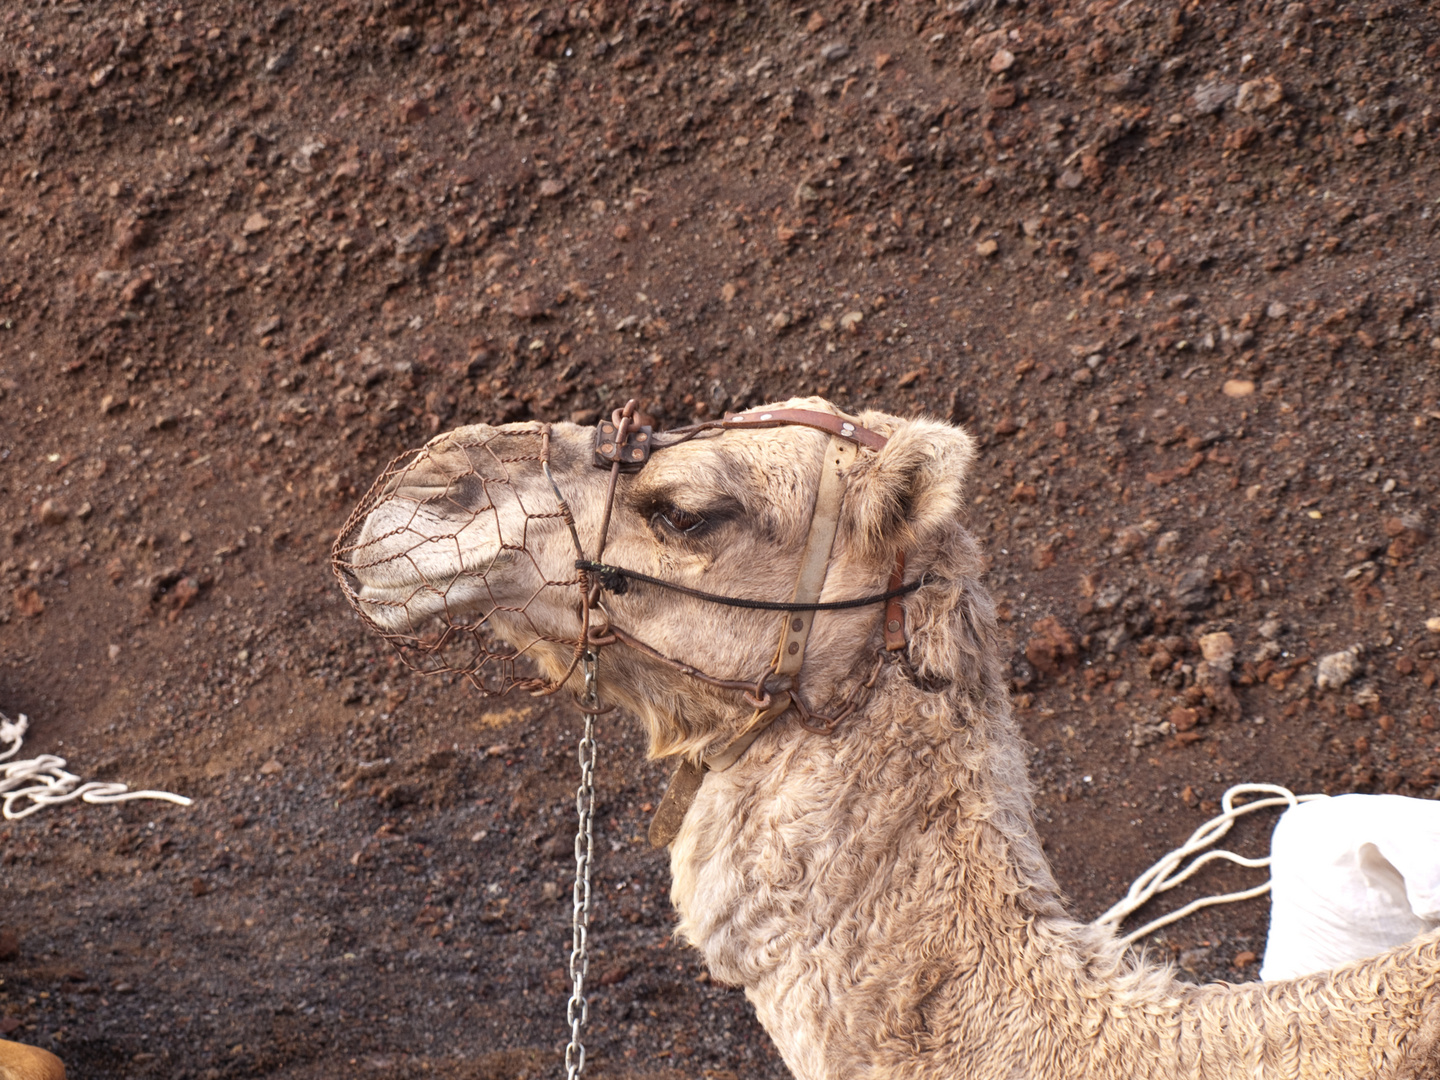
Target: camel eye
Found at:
678, 520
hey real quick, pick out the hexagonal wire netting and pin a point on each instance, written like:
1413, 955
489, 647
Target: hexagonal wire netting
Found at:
409, 534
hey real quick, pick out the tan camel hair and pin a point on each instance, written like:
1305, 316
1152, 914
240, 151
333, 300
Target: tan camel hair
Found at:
881, 893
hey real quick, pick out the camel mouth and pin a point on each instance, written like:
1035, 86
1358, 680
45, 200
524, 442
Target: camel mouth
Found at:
404, 603
412, 562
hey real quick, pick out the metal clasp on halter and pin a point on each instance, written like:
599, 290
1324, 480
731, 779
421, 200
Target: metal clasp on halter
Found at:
627, 444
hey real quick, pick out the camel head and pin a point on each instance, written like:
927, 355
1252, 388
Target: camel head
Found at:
464, 544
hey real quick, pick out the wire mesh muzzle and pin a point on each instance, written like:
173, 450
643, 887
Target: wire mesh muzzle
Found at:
432, 556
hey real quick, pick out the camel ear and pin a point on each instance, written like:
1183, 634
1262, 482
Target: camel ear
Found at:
912, 492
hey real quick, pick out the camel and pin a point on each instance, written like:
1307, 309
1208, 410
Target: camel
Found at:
878, 889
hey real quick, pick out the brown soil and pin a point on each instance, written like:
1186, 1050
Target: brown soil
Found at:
250, 252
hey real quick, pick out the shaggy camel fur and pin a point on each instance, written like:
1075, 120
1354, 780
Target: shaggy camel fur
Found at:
880, 892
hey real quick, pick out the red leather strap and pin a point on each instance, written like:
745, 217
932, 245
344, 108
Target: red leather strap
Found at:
829, 422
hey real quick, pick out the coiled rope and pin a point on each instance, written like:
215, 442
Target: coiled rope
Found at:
1168, 872
44, 782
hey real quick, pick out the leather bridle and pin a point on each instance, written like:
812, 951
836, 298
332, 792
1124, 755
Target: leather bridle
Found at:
621, 444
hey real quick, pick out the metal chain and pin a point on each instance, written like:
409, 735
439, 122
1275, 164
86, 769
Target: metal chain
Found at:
578, 1010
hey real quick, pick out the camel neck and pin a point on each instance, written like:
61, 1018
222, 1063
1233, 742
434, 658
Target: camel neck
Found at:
857, 883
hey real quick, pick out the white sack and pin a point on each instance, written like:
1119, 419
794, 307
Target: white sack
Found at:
1350, 877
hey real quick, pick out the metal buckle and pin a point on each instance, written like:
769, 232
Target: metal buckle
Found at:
631, 454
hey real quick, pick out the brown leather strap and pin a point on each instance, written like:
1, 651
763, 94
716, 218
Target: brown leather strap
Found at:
894, 608
842, 426
684, 784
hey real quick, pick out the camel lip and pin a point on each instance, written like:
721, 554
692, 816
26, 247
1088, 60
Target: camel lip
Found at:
426, 494
399, 608
409, 597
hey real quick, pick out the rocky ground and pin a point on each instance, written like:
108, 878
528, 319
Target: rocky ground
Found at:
1173, 263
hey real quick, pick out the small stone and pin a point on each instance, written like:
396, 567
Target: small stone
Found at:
1002, 60
780, 321
1267, 650
552, 187
1337, 669
255, 223
728, 291
1001, 97
420, 243
1276, 310
1130, 539
198, 887
986, 248
1238, 388
281, 61
1052, 647
851, 320
527, 304
1433, 625
268, 326
137, 287
1270, 629
404, 39
1245, 958
28, 602
1192, 588
113, 652
550, 891
835, 51
1121, 84
1210, 98
1183, 719
1259, 95
51, 512
1071, 179
413, 110
1218, 648
271, 767
1167, 543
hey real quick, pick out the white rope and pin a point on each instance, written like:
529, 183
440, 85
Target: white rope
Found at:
1167, 873
44, 781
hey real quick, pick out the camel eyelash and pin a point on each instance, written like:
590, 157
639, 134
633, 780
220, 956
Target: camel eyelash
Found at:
668, 517
680, 521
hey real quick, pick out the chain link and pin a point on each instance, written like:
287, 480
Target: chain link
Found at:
578, 1010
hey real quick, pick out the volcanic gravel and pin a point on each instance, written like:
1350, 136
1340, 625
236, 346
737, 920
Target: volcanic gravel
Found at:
1172, 263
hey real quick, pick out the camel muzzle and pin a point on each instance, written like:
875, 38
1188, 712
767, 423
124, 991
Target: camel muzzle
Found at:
440, 550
